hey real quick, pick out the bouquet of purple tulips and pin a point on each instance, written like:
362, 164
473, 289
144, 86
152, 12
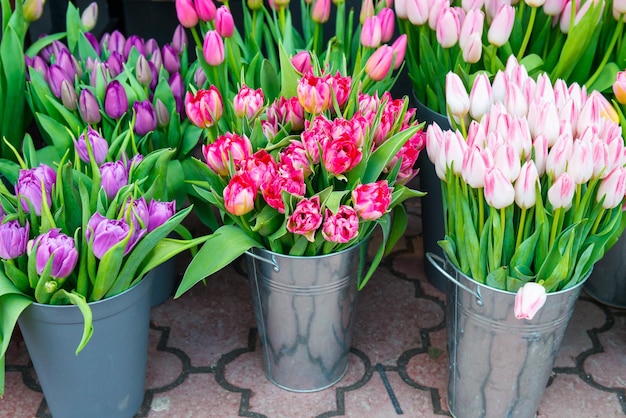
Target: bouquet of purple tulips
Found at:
79, 232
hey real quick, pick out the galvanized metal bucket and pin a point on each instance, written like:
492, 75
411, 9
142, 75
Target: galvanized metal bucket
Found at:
607, 283
498, 365
304, 308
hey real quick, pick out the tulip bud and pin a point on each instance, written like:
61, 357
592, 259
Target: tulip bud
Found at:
114, 176
379, 63
205, 108
480, 96
612, 189
186, 13
525, 194
89, 17
68, 95
224, 23
561, 193
529, 299
162, 114
371, 32
213, 48
28, 187
448, 28
179, 40
239, 195
417, 11
475, 165
145, 117
178, 89
143, 71
254, 4
619, 7
13, 239
501, 26
159, 213
321, 11
554, 7
115, 100
199, 78
171, 60
205, 9
89, 108
387, 24
367, 10
99, 146
457, 99
499, 192
302, 62
114, 64
58, 246
32, 9
580, 164
399, 50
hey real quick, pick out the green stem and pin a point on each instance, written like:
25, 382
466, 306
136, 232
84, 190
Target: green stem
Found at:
494, 50
481, 212
596, 224
520, 230
502, 226
555, 226
196, 37
529, 29
607, 53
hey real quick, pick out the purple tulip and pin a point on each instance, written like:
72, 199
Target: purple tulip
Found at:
150, 46
199, 77
60, 247
29, 187
133, 41
103, 233
143, 71
146, 117
68, 95
114, 64
156, 58
99, 146
134, 162
116, 42
66, 62
94, 42
89, 108
104, 41
137, 211
56, 76
13, 239
163, 115
114, 176
98, 68
171, 60
40, 65
159, 213
179, 40
115, 100
178, 90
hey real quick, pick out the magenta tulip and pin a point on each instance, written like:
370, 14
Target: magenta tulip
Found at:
306, 218
58, 246
340, 227
239, 195
13, 239
32, 185
371, 201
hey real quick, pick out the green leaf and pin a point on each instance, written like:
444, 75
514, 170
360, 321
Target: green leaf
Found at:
165, 250
400, 221
56, 133
228, 242
497, 278
385, 153
79, 300
288, 75
270, 84
108, 269
385, 225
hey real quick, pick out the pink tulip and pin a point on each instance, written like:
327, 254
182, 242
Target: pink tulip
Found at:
306, 218
454, 150
475, 166
186, 13
436, 8
314, 94
448, 28
379, 63
219, 154
340, 227
387, 24
321, 11
529, 299
473, 24
399, 50
284, 181
554, 7
400, 7
341, 155
472, 48
284, 111
541, 120
457, 99
239, 195
559, 155
248, 102
213, 48
367, 10
469, 5
259, 167
295, 157
619, 7
205, 9
302, 62
519, 135
371, 32
561, 193
580, 164
417, 11
371, 201
612, 189
480, 96
525, 195
600, 158
507, 159
499, 87
224, 23
515, 101
205, 107
501, 26
499, 192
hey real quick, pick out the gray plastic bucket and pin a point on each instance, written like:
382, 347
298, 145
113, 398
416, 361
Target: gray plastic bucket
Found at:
498, 365
107, 378
607, 283
304, 308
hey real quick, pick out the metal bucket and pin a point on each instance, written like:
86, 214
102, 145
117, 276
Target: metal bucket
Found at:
498, 365
607, 283
304, 308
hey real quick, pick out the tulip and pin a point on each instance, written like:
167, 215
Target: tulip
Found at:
116, 42
448, 28
143, 71
400, 7
399, 50
179, 40
65, 60
320, 13
291, 182
472, 48
379, 63
480, 96
56, 76
472, 24
102, 234
89, 108
314, 94
162, 113
38, 64
529, 299
68, 95
341, 155
225, 148
186, 13
612, 189
387, 24
454, 149
580, 164
554, 7
171, 60
499, 192
619, 7
559, 155
114, 176
561, 193
417, 11
89, 17
260, 167
457, 98
306, 218
224, 23
501, 26
371, 32
285, 111
436, 8
159, 212
213, 48
340, 227
13, 239
205, 108
507, 159
114, 64
58, 247
115, 100
367, 10
177, 87
302, 62
248, 102
206, 10
255, 4
99, 146
199, 78
239, 195
525, 193
136, 213
371, 201
32, 10
33, 185
475, 165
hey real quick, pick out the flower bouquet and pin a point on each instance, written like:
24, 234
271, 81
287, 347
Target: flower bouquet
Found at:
533, 191
80, 233
578, 42
129, 90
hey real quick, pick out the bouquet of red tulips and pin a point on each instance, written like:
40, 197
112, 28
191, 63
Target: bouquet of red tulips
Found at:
307, 174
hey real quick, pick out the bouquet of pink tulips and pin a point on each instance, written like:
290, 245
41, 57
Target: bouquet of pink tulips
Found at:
79, 232
580, 42
533, 185
308, 174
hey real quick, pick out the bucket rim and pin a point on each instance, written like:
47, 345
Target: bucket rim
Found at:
364, 241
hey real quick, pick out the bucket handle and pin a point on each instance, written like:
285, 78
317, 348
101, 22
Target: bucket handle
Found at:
271, 261
437, 262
